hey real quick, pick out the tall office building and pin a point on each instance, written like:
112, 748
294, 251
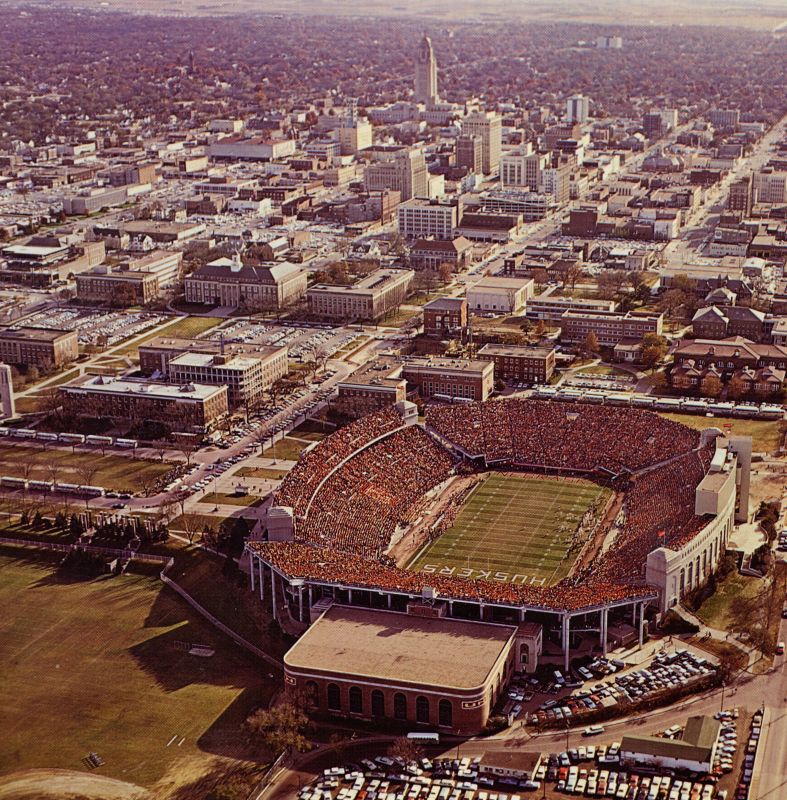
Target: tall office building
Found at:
578, 108
470, 153
405, 172
741, 195
426, 74
489, 126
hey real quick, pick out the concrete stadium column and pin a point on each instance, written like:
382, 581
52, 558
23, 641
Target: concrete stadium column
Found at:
390, 600
522, 613
604, 629
566, 639
311, 602
273, 592
300, 603
350, 596
451, 608
251, 570
261, 578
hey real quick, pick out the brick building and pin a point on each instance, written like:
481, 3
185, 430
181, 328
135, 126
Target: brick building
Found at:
446, 316
44, 347
520, 364
610, 328
182, 407
228, 282
122, 287
720, 322
374, 386
432, 672
455, 378
370, 299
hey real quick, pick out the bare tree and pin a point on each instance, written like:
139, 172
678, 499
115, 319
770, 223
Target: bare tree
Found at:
87, 472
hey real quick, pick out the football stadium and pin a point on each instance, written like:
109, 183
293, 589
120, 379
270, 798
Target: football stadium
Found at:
560, 529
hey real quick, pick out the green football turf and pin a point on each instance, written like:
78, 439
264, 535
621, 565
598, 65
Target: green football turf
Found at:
513, 528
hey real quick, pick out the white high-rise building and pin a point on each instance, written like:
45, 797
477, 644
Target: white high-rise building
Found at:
426, 74
489, 126
578, 108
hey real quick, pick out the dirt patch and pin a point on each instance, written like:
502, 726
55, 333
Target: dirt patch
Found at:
63, 784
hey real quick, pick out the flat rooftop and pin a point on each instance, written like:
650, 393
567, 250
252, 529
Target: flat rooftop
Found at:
142, 388
35, 334
457, 364
515, 350
387, 646
197, 359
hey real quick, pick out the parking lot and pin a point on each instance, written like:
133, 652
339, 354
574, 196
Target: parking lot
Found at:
301, 342
104, 327
602, 684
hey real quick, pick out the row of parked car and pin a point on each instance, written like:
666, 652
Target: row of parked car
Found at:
667, 670
742, 790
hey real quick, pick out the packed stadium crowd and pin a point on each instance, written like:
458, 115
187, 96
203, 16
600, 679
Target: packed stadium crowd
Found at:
359, 507
568, 436
301, 483
343, 569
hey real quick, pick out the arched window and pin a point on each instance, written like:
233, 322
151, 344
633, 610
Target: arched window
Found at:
356, 700
421, 709
334, 698
378, 703
446, 713
400, 706
312, 695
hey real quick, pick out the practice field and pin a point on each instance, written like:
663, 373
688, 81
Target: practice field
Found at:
514, 528
99, 666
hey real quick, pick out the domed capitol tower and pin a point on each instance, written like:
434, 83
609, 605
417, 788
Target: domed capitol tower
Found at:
426, 74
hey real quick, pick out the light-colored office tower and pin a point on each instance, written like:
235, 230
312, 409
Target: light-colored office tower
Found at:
578, 108
489, 126
426, 74
405, 172
770, 186
523, 169
6, 393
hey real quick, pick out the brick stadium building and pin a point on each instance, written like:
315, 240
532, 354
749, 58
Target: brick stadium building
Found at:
363, 664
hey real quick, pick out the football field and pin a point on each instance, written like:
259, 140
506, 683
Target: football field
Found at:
513, 528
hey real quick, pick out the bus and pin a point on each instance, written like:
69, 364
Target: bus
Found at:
24, 433
128, 444
423, 736
71, 438
99, 440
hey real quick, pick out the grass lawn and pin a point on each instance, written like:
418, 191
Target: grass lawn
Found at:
219, 498
184, 327
199, 521
603, 369
261, 472
766, 434
92, 665
288, 449
513, 528
121, 473
717, 610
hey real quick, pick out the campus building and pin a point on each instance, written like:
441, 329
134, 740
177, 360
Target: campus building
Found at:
500, 294
372, 387
43, 347
517, 363
446, 316
190, 407
122, 287
228, 282
610, 328
456, 378
416, 670
421, 219
693, 751
370, 299
246, 376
